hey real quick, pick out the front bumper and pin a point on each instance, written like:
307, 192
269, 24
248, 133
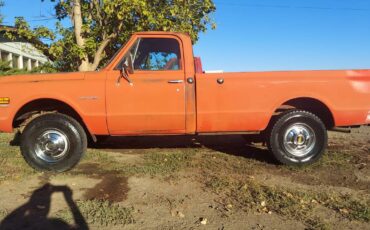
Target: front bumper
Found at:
6, 123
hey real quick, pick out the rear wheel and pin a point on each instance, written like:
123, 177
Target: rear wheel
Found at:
53, 142
298, 138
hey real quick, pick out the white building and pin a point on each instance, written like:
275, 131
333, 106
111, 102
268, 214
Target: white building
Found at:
20, 53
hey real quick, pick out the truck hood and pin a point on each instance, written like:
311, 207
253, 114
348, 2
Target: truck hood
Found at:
42, 77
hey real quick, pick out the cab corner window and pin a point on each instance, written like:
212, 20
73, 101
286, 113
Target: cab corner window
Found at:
154, 54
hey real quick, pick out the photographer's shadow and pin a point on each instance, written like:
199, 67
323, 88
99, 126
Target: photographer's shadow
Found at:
34, 213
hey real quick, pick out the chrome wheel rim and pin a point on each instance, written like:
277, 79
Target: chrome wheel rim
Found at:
52, 146
299, 140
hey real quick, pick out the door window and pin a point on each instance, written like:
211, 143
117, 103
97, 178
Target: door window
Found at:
154, 54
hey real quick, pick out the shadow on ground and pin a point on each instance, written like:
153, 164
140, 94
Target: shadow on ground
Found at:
34, 213
236, 145
229, 144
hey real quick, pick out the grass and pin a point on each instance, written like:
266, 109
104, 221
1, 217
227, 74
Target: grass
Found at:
250, 195
156, 162
330, 159
334, 158
163, 163
230, 177
349, 207
317, 223
100, 213
12, 164
289, 203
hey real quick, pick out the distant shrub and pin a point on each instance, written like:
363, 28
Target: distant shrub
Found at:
6, 70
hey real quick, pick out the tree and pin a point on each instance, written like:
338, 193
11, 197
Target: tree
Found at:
100, 27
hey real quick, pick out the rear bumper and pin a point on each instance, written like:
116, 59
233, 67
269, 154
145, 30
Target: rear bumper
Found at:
368, 118
352, 118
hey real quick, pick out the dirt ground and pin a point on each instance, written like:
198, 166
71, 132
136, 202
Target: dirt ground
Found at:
219, 182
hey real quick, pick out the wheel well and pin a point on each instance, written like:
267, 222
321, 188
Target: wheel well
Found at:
40, 106
311, 105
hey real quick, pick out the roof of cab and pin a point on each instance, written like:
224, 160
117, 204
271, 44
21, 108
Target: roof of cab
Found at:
160, 33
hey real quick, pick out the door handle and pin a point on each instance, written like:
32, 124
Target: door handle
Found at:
176, 81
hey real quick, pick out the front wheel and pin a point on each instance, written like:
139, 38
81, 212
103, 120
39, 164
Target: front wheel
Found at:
53, 142
298, 138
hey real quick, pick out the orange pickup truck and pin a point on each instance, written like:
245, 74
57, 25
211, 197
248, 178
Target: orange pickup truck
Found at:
153, 86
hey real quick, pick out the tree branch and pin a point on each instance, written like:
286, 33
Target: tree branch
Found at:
98, 12
99, 52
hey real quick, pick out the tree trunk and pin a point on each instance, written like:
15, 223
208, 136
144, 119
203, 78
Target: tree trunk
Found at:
77, 23
85, 66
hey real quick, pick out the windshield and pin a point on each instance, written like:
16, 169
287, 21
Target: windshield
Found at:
130, 55
113, 57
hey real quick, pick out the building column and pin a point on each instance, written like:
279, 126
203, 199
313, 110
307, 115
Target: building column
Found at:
10, 59
29, 64
20, 62
37, 64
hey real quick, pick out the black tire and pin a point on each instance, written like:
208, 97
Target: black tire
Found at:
283, 131
67, 133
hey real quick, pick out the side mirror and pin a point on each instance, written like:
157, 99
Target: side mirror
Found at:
125, 71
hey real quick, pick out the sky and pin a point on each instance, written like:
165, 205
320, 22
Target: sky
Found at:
264, 35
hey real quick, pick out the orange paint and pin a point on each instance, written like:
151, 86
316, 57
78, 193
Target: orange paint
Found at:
152, 105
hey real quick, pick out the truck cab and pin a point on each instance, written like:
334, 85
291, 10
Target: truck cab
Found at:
155, 74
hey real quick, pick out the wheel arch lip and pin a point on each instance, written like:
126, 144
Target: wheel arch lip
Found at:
321, 100
28, 100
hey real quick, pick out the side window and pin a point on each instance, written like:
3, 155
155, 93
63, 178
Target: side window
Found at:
154, 54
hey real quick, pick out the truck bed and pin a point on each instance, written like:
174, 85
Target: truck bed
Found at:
247, 101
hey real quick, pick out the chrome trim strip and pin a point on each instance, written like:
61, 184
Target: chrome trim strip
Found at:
176, 81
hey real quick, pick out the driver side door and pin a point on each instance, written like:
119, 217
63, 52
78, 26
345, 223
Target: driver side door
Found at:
154, 101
